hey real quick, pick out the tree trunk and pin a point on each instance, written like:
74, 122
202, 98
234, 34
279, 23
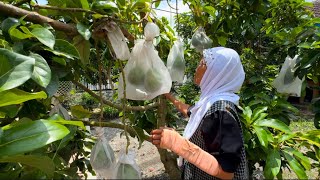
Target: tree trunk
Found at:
168, 159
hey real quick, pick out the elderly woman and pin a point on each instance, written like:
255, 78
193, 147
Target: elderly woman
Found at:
212, 143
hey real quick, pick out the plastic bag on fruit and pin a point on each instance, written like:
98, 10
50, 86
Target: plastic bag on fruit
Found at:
126, 167
286, 82
200, 40
102, 157
146, 76
118, 41
175, 62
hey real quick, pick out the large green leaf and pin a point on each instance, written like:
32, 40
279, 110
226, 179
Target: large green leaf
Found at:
83, 47
64, 48
262, 135
273, 164
17, 96
42, 71
303, 159
44, 36
15, 69
313, 137
295, 166
58, 119
26, 137
273, 123
79, 112
44, 163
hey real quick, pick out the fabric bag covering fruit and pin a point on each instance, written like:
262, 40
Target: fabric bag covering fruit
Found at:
126, 167
200, 40
146, 76
118, 41
175, 62
286, 82
102, 157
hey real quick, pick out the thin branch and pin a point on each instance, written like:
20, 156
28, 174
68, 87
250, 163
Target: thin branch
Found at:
130, 130
171, 6
165, 10
117, 106
10, 10
63, 9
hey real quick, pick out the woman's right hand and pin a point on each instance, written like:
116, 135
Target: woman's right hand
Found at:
182, 107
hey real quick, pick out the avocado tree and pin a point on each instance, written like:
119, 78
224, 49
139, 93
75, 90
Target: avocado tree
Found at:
41, 45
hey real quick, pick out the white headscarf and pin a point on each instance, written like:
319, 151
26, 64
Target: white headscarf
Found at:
222, 79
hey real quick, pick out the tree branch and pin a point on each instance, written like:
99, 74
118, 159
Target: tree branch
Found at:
117, 106
34, 17
63, 9
129, 129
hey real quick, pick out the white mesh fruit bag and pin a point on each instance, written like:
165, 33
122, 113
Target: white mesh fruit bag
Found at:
146, 76
126, 167
175, 62
286, 82
102, 157
200, 40
118, 41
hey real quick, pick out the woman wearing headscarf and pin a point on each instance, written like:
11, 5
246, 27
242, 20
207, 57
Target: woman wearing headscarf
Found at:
212, 143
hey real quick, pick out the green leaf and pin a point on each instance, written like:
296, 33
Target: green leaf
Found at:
302, 159
18, 34
17, 96
295, 166
247, 114
210, 10
83, 47
140, 134
64, 48
42, 71
15, 69
29, 136
44, 163
257, 112
58, 119
79, 112
44, 36
11, 111
157, 3
8, 23
222, 40
105, 5
85, 4
273, 164
84, 31
53, 86
313, 137
274, 123
262, 135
